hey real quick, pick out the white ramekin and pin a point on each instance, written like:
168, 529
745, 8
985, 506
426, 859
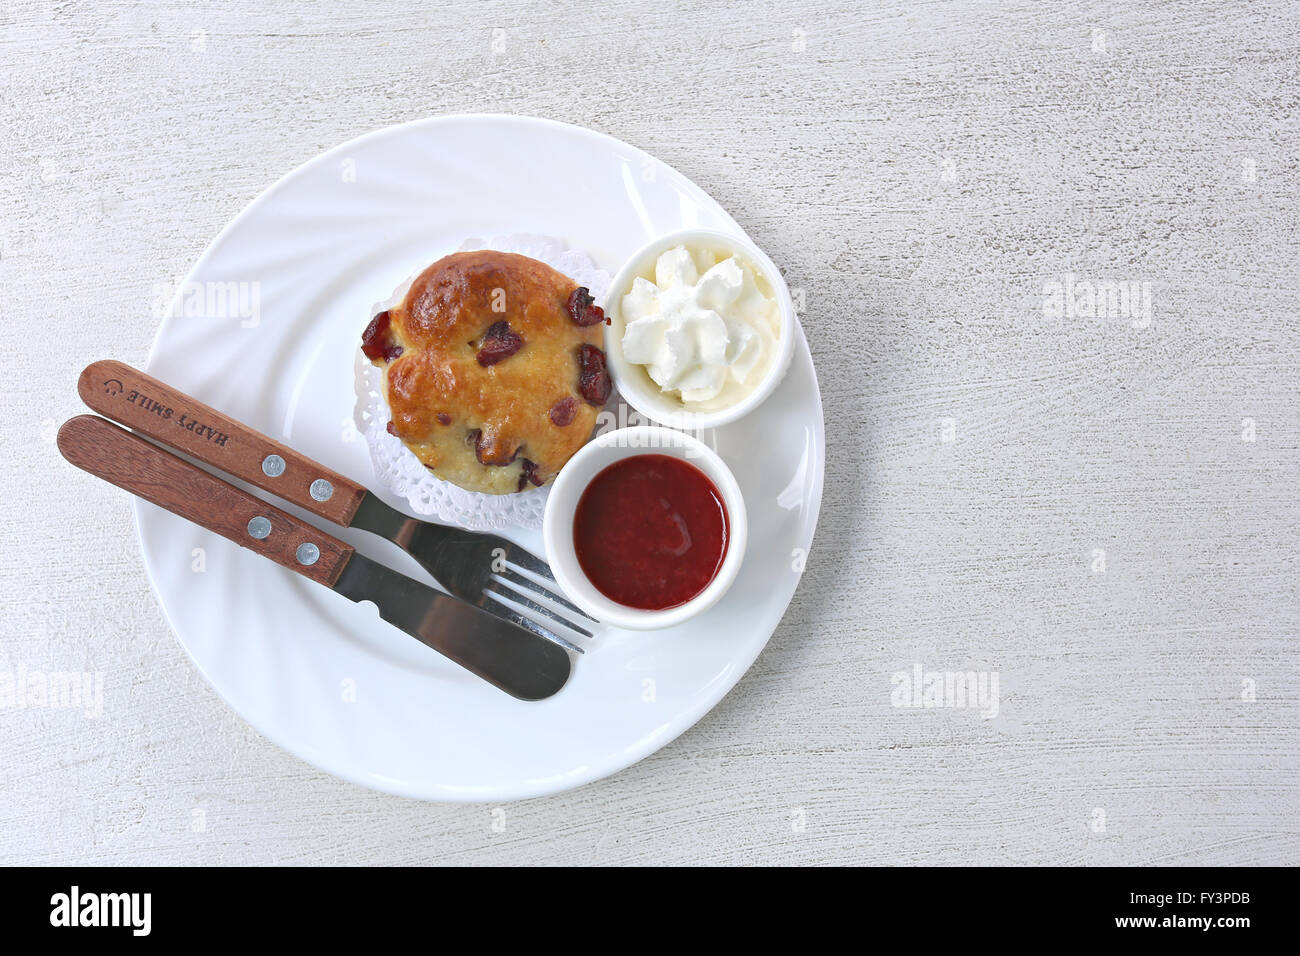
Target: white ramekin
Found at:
562, 503
635, 384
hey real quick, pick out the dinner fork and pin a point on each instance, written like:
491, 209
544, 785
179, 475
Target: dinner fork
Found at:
485, 570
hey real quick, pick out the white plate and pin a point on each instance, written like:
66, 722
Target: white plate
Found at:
325, 678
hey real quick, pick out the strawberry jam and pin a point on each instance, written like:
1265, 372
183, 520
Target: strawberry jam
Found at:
650, 532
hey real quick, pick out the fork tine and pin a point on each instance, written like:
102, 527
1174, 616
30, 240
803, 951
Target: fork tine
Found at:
503, 610
517, 594
547, 592
529, 562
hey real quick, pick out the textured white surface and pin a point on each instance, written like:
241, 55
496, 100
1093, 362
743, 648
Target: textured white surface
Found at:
920, 172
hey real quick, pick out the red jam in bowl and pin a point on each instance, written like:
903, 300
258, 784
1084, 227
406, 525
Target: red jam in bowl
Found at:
650, 532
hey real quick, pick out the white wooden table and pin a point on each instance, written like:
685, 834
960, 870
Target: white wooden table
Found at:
1101, 510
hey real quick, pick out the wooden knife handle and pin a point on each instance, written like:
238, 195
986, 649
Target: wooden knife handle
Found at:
168, 415
144, 469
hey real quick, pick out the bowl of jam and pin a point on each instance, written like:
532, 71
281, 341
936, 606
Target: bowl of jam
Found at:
645, 527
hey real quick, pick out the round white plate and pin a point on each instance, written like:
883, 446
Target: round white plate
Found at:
325, 678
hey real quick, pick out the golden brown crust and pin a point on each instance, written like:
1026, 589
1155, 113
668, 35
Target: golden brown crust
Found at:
454, 412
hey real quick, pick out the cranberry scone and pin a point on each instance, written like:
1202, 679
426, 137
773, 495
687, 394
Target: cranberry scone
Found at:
493, 370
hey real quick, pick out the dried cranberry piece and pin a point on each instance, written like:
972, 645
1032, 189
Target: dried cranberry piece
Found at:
391, 429
583, 309
376, 342
593, 380
444, 418
483, 450
499, 342
562, 412
530, 472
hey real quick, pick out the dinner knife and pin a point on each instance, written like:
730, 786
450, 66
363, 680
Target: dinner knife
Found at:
505, 655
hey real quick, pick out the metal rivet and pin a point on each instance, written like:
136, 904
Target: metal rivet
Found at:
259, 527
321, 489
307, 553
273, 466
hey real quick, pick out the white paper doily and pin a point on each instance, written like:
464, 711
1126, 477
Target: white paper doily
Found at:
398, 470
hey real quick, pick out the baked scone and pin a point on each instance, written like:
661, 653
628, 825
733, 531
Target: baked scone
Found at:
493, 370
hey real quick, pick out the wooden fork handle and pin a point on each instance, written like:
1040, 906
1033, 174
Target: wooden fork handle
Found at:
144, 469
168, 415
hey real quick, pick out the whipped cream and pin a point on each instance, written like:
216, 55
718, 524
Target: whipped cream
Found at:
704, 329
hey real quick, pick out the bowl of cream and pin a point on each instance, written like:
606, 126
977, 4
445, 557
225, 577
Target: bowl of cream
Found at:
701, 328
